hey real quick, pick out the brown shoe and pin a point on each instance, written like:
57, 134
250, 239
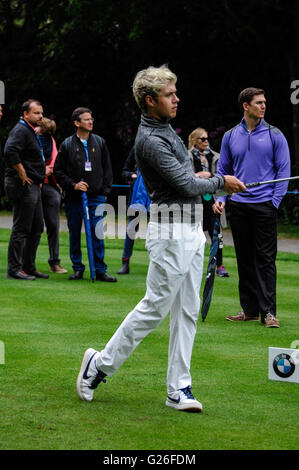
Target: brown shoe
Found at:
271, 321
56, 268
241, 317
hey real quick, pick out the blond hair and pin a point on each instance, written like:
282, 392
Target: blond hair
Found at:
151, 81
47, 126
194, 135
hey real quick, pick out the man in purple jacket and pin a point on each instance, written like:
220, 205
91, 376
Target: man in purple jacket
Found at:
255, 151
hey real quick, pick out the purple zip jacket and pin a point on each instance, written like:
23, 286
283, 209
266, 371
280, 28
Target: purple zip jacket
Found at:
260, 155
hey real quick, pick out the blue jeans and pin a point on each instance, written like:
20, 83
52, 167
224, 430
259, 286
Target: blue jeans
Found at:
74, 214
129, 240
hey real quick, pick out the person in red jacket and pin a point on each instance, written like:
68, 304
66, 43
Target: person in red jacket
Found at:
51, 194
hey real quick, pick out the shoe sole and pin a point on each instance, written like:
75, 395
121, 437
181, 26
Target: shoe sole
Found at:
189, 408
20, 279
87, 355
239, 321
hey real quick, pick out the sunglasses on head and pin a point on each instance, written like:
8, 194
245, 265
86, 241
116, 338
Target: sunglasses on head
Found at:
202, 139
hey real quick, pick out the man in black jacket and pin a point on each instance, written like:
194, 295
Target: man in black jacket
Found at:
83, 164
24, 174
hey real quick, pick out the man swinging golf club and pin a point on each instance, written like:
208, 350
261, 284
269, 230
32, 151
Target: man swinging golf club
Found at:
175, 246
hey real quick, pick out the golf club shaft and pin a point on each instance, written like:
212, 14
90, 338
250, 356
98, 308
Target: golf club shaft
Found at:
251, 185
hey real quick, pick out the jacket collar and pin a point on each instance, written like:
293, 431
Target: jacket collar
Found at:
79, 140
260, 124
27, 124
152, 122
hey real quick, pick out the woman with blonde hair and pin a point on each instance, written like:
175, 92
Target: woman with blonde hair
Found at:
204, 161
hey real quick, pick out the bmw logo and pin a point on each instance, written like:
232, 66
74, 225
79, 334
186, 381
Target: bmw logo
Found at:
283, 365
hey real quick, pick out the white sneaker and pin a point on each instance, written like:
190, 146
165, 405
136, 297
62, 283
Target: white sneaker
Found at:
185, 401
89, 376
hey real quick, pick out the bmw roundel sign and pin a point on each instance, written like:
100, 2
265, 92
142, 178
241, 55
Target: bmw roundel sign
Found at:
284, 364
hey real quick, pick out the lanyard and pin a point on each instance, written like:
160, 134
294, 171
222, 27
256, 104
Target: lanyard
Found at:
84, 142
40, 145
25, 123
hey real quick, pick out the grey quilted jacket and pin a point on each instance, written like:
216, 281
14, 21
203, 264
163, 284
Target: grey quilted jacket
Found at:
165, 165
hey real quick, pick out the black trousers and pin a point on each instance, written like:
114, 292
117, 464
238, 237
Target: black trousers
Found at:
254, 230
27, 226
51, 200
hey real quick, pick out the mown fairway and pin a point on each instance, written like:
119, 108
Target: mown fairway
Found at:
46, 325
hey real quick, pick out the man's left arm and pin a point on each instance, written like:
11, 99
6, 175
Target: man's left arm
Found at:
282, 166
107, 170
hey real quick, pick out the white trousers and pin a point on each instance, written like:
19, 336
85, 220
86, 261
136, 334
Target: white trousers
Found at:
173, 284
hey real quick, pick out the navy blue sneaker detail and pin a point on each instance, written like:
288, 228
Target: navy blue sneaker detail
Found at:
187, 392
85, 376
89, 376
173, 399
99, 378
185, 401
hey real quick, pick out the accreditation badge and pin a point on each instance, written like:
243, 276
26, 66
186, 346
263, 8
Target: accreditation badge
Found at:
87, 166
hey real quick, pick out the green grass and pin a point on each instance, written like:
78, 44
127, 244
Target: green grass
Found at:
47, 324
284, 231
288, 231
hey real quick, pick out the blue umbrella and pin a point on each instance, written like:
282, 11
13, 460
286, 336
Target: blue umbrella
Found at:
210, 277
88, 236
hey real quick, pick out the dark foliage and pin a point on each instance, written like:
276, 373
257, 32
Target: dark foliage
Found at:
70, 53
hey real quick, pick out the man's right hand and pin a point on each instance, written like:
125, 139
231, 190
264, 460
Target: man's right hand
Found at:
218, 207
81, 186
233, 185
22, 174
25, 180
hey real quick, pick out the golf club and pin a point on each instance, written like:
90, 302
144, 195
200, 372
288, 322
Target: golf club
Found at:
252, 185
